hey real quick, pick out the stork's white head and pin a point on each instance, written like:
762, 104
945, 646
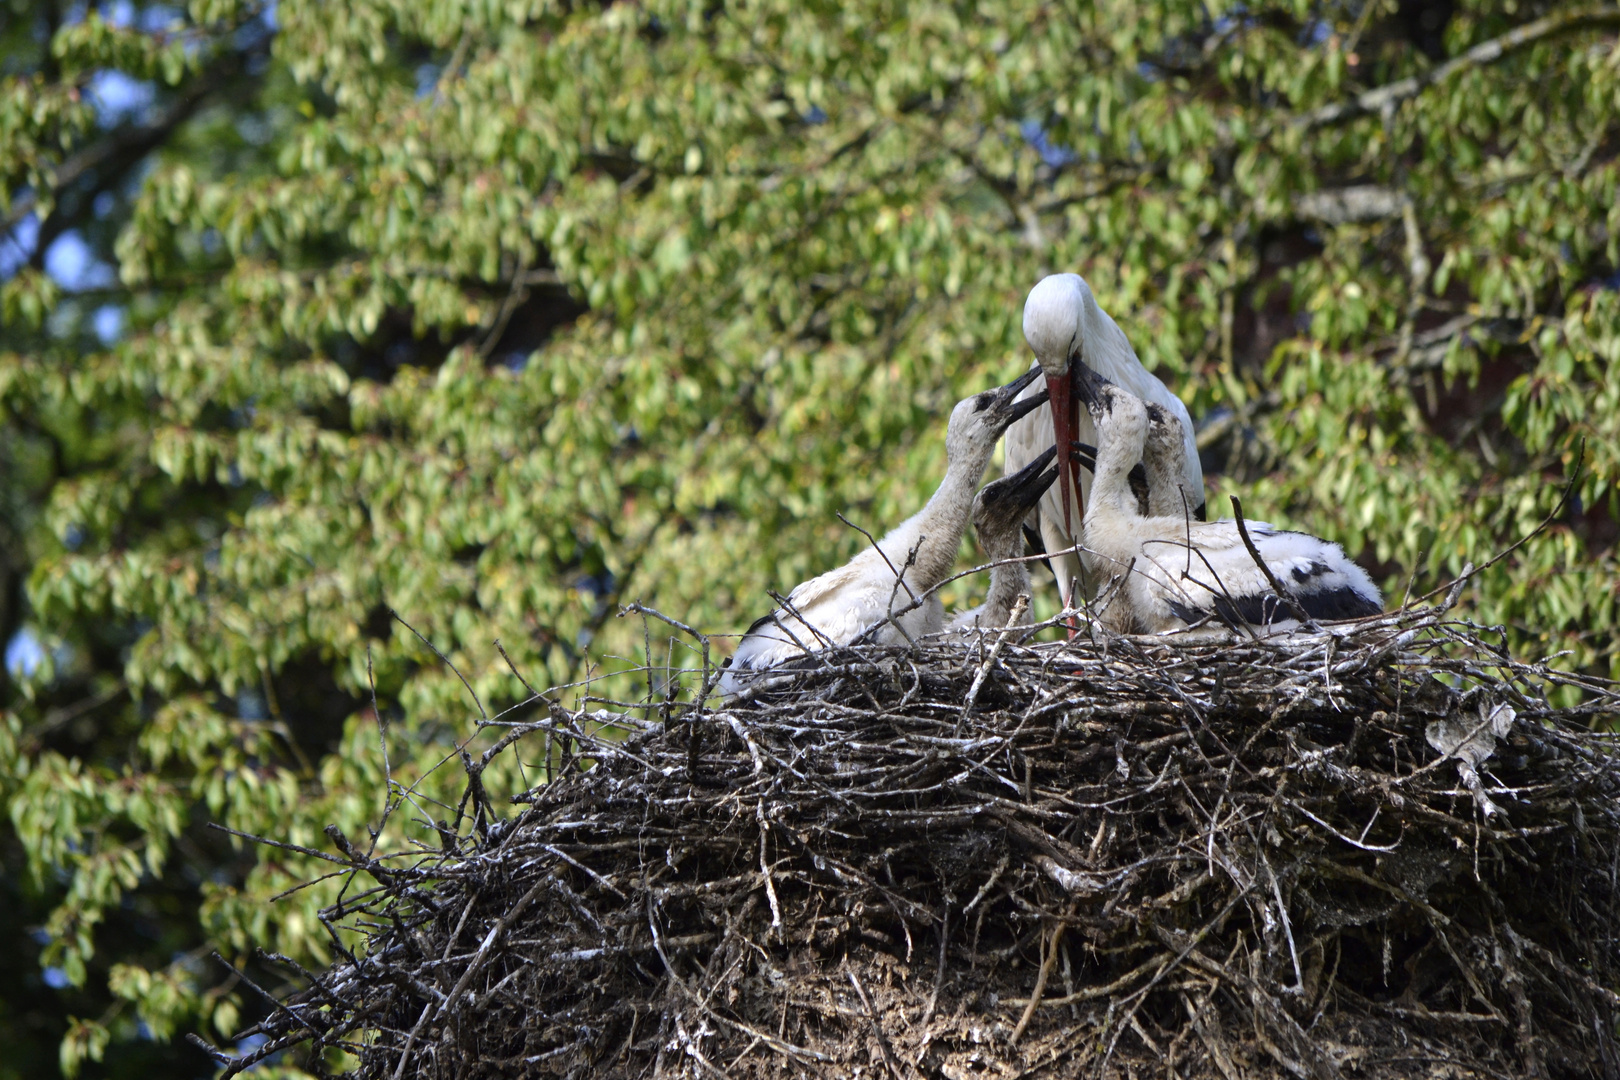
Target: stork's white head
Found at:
1057, 317
1055, 320
977, 423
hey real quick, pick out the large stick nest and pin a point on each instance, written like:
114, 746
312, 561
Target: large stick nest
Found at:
1121, 858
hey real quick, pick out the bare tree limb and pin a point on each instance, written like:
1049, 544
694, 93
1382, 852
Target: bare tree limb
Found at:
1486, 52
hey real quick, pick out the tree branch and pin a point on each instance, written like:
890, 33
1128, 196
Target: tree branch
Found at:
1487, 52
130, 144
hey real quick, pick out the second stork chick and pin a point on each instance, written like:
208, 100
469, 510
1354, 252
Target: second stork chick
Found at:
998, 517
1159, 482
1164, 571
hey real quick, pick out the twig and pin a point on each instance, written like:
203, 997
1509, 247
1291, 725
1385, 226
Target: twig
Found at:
1014, 618
1047, 963
1486, 52
1285, 595
898, 576
1454, 588
889, 1059
473, 693
765, 866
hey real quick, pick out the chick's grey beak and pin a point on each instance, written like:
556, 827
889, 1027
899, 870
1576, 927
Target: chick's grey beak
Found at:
1030, 495
1016, 387
1017, 493
1036, 464
1088, 385
1031, 482
1019, 409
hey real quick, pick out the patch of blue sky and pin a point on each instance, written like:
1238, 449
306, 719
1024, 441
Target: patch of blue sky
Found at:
119, 98
252, 32
151, 19
24, 654
250, 705
254, 129
155, 17
1237, 14
74, 266
17, 245
427, 79
1034, 133
108, 323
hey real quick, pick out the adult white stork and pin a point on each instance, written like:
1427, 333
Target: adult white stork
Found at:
1066, 329
998, 516
1165, 571
882, 584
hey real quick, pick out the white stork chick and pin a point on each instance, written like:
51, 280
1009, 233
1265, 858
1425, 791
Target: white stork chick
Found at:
1162, 572
1067, 329
1085, 456
877, 585
1158, 482
998, 516
1164, 469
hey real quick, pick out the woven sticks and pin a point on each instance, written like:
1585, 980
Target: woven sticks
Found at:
1134, 857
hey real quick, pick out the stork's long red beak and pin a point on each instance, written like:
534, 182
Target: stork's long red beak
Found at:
1060, 390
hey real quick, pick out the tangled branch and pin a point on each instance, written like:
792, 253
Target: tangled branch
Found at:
1130, 857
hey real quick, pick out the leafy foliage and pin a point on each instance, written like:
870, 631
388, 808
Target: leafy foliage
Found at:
497, 315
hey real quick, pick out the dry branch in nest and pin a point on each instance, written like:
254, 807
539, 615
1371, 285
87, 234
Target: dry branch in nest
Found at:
1377, 851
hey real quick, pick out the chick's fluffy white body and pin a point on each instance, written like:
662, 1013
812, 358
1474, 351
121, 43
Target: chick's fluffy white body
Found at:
1164, 571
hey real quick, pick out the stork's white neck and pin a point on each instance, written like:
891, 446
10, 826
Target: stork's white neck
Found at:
1119, 448
936, 530
1007, 579
1166, 476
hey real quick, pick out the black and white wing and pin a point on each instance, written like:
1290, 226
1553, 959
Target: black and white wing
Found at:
1217, 578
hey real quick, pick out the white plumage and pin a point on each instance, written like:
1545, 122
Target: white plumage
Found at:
1171, 491
1165, 571
998, 516
1065, 328
876, 585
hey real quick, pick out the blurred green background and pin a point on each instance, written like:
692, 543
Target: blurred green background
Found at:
504, 313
